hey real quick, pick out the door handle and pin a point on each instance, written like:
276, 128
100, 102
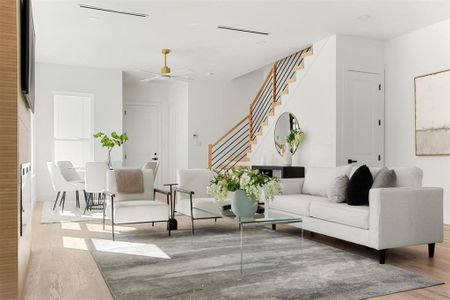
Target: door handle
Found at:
350, 161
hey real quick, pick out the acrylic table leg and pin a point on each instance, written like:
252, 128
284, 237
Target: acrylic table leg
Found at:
242, 250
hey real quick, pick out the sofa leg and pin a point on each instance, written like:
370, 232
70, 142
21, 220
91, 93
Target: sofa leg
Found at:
274, 226
382, 256
431, 248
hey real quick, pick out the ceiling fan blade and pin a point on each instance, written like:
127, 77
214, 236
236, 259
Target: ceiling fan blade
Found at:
181, 72
182, 78
151, 78
149, 72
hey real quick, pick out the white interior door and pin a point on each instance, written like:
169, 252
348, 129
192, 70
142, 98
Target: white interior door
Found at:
363, 118
142, 124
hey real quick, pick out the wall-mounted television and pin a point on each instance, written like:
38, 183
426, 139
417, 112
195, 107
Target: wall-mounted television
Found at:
27, 52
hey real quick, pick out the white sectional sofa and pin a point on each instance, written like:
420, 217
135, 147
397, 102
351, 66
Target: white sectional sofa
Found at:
405, 215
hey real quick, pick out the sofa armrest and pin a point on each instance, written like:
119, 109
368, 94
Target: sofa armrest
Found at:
405, 216
292, 185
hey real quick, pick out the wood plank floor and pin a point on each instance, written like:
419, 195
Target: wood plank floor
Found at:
61, 267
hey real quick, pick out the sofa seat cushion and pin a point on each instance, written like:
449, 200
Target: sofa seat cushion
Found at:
134, 211
296, 204
207, 207
342, 213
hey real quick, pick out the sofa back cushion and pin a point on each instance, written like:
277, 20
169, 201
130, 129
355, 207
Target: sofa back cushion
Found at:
408, 176
319, 179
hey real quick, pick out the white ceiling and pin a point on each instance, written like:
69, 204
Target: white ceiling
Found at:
67, 34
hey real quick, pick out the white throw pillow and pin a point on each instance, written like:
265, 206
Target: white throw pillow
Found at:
336, 192
319, 179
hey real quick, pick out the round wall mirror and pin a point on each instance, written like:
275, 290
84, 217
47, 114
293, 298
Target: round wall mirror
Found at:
285, 124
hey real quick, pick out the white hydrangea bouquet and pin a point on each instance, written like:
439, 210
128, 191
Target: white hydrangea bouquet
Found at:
252, 182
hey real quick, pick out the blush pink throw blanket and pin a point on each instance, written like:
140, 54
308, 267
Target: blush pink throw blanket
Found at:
129, 181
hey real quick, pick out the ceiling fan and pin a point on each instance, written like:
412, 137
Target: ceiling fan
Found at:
166, 72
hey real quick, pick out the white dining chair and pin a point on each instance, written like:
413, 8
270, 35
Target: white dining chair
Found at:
152, 165
95, 184
61, 185
69, 171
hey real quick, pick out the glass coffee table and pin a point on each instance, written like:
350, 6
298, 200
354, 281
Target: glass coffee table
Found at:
267, 218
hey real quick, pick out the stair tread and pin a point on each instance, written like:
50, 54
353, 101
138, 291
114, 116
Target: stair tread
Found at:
301, 66
291, 80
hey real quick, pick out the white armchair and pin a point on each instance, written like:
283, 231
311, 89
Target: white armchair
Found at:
191, 196
135, 208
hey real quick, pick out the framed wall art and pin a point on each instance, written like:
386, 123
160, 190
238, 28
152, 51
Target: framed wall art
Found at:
432, 109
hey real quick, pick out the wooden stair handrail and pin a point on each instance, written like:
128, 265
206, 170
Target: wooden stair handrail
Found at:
229, 131
263, 85
273, 99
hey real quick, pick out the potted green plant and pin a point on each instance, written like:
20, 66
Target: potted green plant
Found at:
110, 142
247, 186
294, 139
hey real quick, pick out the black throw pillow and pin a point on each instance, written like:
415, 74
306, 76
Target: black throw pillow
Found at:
358, 187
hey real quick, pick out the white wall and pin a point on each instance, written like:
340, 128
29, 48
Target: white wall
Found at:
312, 99
417, 53
172, 97
357, 54
215, 107
104, 85
316, 99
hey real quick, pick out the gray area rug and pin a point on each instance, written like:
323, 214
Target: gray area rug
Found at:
276, 266
71, 213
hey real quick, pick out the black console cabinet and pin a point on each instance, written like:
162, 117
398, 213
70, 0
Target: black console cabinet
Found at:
282, 171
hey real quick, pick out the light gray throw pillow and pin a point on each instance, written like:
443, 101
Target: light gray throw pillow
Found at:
336, 192
385, 178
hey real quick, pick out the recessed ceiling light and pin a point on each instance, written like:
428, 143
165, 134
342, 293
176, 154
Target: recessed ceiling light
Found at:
209, 73
93, 19
363, 17
261, 42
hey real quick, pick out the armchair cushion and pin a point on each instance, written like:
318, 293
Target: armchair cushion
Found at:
208, 207
136, 211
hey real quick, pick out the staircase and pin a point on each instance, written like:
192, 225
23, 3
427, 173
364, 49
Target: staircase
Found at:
233, 148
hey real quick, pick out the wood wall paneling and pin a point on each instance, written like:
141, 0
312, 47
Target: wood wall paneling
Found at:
8, 149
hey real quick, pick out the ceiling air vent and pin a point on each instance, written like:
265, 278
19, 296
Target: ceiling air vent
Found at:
134, 14
242, 30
